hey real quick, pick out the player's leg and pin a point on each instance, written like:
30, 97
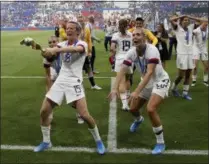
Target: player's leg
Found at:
159, 92
152, 106
205, 65
123, 94
53, 97
81, 108
106, 43
46, 111
178, 79
194, 73
188, 72
135, 107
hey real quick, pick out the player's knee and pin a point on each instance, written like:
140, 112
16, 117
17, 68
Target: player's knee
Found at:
84, 115
151, 108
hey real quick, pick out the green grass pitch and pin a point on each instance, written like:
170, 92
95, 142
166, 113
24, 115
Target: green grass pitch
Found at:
185, 122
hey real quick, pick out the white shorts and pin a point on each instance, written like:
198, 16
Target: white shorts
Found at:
160, 88
185, 62
197, 55
53, 73
71, 93
118, 64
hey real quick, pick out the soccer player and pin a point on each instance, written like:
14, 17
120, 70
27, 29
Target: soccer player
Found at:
52, 69
90, 25
149, 35
120, 44
152, 89
108, 34
68, 85
184, 62
86, 36
200, 52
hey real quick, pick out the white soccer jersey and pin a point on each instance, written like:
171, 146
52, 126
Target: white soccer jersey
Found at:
123, 43
151, 55
72, 64
184, 40
200, 40
109, 31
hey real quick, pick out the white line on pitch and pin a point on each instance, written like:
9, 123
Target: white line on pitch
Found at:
117, 151
41, 77
56, 148
112, 128
173, 152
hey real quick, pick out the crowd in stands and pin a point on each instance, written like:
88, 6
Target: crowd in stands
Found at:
46, 14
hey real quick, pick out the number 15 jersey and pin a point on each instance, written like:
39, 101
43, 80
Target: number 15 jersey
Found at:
123, 43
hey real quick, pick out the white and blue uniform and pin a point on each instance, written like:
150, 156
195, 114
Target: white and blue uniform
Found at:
55, 67
159, 82
69, 82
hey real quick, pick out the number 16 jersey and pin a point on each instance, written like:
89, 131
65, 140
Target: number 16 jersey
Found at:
123, 43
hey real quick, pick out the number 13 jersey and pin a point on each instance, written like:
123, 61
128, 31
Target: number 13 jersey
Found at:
123, 43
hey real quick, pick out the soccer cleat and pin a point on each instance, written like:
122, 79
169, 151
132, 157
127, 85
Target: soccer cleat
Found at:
205, 83
158, 149
193, 83
186, 96
136, 124
175, 93
43, 146
100, 147
96, 87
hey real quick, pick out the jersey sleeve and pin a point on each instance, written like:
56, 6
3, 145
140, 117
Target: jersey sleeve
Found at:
84, 45
153, 56
88, 39
130, 57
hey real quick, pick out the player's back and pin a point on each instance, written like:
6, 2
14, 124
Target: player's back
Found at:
72, 63
123, 43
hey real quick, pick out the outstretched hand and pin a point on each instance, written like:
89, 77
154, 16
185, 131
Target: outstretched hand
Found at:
113, 95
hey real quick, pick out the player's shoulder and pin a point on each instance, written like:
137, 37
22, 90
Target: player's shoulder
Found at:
152, 51
62, 44
81, 42
116, 34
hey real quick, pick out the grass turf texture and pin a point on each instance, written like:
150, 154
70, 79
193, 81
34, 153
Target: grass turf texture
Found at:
185, 122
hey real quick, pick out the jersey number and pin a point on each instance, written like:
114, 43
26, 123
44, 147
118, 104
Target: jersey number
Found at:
126, 45
163, 84
77, 89
67, 58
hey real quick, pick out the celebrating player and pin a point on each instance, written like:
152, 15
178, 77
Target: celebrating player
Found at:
68, 85
153, 88
120, 44
200, 52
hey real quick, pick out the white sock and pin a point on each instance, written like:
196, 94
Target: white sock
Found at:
185, 89
46, 133
95, 133
194, 77
173, 87
205, 77
159, 134
123, 97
